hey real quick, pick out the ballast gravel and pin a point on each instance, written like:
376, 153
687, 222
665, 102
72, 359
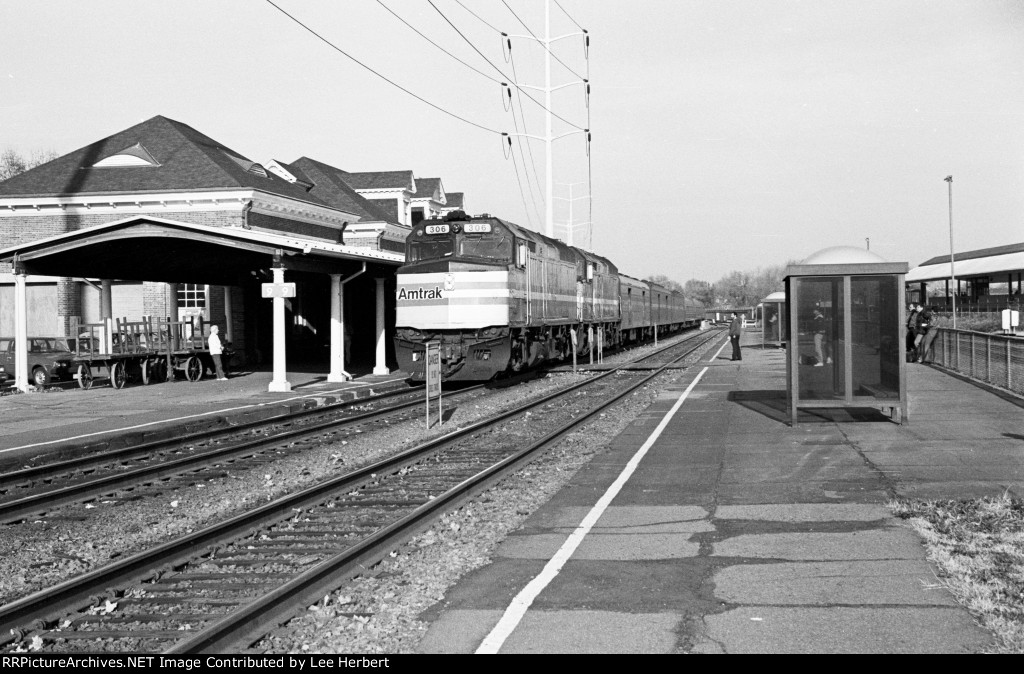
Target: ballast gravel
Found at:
376, 613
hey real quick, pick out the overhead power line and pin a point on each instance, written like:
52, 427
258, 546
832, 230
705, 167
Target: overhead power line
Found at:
386, 79
499, 70
459, 3
568, 15
418, 32
542, 43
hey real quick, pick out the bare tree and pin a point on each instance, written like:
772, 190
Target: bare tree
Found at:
13, 162
664, 281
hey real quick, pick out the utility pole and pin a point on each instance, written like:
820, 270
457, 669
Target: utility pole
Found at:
952, 271
548, 137
571, 226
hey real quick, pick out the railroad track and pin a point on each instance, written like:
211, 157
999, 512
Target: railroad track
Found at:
184, 460
116, 475
230, 583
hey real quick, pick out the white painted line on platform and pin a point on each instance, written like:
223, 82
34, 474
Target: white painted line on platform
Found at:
722, 348
521, 602
318, 394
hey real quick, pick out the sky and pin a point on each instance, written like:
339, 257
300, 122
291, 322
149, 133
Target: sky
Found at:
726, 135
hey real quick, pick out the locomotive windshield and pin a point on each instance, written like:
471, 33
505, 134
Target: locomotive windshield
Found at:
430, 249
494, 246
465, 241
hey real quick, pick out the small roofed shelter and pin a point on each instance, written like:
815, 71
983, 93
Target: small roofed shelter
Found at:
773, 320
845, 313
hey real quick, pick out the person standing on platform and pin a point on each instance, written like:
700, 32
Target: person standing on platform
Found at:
735, 330
915, 309
216, 349
925, 333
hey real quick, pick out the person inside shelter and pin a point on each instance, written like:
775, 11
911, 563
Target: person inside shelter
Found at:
822, 345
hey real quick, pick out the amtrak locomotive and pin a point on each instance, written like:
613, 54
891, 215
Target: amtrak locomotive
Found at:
498, 298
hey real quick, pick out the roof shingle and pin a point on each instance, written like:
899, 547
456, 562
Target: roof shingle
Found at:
187, 160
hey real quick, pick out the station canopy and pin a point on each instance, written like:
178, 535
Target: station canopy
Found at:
145, 248
984, 262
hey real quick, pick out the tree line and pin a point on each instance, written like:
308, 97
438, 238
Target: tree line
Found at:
13, 162
735, 289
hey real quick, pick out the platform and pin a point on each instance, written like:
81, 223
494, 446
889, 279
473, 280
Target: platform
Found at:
734, 532
36, 425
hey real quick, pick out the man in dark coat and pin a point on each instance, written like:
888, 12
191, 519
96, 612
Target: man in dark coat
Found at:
735, 329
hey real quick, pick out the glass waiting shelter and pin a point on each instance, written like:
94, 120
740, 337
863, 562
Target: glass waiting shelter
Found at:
844, 311
773, 320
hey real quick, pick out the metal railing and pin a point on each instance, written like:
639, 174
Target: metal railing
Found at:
994, 359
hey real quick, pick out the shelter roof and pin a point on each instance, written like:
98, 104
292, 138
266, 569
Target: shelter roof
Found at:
157, 155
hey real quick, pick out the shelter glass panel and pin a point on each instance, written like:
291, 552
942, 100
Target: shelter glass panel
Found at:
820, 344
774, 322
875, 336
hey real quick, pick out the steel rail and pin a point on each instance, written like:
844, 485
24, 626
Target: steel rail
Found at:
254, 619
84, 590
45, 471
17, 509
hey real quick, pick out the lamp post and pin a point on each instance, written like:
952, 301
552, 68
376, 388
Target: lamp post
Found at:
952, 271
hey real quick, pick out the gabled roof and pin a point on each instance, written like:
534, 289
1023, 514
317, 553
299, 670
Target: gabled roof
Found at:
330, 186
177, 158
381, 180
454, 200
426, 187
974, 254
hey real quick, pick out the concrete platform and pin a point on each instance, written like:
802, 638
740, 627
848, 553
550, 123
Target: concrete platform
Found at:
69, 420
725, 530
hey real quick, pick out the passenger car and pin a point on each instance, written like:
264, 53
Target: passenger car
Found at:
49, 359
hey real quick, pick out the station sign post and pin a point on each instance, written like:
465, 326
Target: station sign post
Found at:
271, 290
433, 376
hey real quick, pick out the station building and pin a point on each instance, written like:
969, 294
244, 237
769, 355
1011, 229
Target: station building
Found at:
161, 220
987, 279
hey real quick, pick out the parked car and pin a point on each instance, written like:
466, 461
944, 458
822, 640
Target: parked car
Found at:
49, 359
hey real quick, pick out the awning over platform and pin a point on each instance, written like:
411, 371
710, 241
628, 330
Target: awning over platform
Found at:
994, 265
145, 248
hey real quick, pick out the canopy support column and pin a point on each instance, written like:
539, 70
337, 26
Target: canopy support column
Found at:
280, 383
339, 338
20, 330
381, 364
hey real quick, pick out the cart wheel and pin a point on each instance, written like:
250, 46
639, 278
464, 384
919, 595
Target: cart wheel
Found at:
193, 368
146, 371
84, 376
118, 374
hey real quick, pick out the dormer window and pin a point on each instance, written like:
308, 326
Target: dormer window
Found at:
247, 166
133, 156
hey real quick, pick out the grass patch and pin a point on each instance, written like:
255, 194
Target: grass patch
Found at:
978, 546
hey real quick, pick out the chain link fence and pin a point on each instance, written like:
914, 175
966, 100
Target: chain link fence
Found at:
994, 359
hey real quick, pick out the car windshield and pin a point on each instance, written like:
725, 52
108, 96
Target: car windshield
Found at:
41, 344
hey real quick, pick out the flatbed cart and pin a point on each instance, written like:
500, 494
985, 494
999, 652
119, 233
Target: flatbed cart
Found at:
145, 351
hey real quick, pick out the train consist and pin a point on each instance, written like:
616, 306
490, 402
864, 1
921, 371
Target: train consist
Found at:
498, 298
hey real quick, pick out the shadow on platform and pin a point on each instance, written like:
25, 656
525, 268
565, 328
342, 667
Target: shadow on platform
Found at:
774, 405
